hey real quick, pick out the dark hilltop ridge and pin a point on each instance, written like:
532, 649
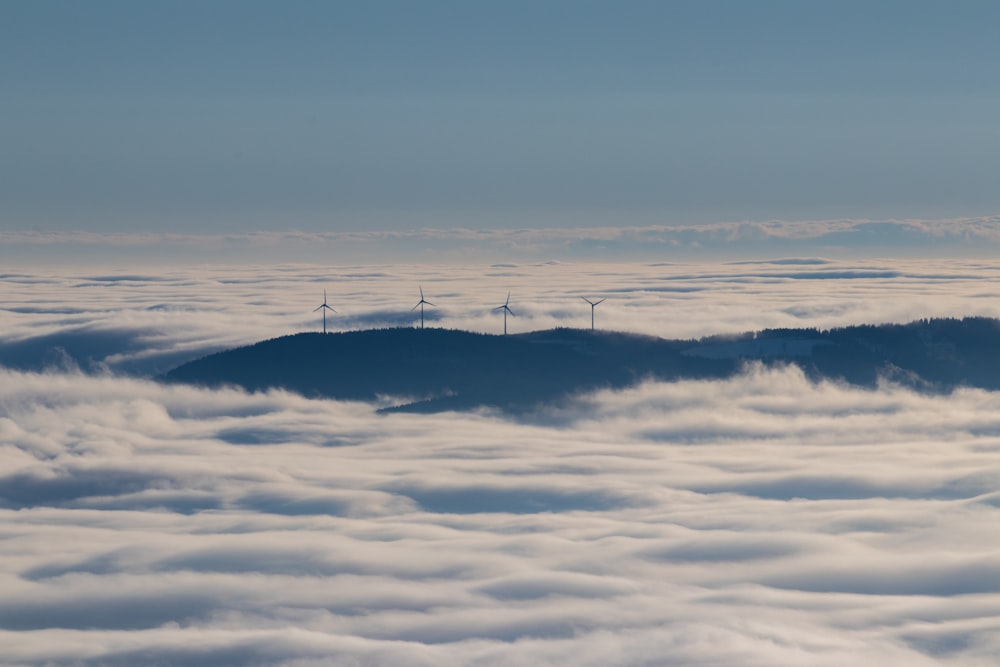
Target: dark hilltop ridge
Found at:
431, 370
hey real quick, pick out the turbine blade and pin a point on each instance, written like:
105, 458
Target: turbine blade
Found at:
421, 293
508, 299
319, 308
332, 310
587, 300
414, 308
500, 307
511, 312
429, 303
601, 301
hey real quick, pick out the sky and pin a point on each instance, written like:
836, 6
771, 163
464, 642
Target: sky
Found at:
764, 520
225, 117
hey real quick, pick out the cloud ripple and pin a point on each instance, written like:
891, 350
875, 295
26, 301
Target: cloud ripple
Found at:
758, 521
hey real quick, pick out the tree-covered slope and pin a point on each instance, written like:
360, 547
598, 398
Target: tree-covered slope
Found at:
438, 369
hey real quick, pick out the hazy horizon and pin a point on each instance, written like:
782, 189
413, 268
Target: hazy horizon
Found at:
231, 116
775, 240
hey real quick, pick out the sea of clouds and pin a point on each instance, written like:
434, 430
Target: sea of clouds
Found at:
618, 240
763, 520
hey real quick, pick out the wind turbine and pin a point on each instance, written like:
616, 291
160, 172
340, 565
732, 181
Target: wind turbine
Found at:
593, 304
421, 304
324, 308
506, 309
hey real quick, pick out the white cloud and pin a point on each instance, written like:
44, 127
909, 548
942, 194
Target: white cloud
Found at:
143, 323
803, 524
939, 238
763, 520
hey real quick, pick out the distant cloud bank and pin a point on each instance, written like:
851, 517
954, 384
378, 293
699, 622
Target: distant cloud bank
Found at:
836, 238
142, 320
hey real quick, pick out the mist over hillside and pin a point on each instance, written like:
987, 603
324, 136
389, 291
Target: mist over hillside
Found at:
430, 370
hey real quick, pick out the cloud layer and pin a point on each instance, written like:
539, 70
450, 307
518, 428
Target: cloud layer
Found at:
763, 520
147, 321
454, 243
760, 521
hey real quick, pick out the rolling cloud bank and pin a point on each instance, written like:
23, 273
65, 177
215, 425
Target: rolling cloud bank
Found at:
617, 240
760, 520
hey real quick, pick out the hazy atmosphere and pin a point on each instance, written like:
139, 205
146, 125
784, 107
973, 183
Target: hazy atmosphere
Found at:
229, 115
183, 178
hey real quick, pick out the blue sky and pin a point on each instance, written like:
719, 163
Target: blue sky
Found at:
335, 116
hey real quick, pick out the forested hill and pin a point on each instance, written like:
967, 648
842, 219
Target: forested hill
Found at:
439, 369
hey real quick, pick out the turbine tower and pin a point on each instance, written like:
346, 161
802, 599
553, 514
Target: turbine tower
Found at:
593, 304
506, 309
324, 308
421, 304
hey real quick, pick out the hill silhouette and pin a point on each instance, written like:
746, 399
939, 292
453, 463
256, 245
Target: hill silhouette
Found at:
430, 370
